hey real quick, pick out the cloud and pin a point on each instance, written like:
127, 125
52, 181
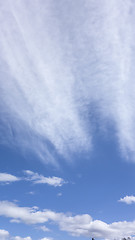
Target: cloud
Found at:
20, 238
78, 225
4, 235
128, 199
42, 104
31, 193
44, 229
59, 194
32, 177
7, 178
46, 238
40, 179
66, 71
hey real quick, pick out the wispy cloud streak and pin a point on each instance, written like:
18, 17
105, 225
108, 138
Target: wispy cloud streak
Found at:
35, 178
54, 67
40, 179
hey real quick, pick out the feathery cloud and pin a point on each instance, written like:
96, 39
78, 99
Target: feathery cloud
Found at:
65, 70
40, 179
32, 177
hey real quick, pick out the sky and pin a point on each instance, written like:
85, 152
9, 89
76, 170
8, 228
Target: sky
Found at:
67, 119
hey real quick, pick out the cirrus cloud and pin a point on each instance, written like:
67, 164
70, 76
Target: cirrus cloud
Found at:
56, 76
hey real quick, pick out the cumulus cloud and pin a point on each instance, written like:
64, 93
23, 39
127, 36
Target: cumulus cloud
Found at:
128, 199
40, 179
7, 178
56, 76
4, 235
78, 225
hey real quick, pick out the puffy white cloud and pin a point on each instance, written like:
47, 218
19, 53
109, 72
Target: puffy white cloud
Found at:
78, 225
23, 214
54, 81
38, 178
4, 235
20, 238
128, 199
7, 178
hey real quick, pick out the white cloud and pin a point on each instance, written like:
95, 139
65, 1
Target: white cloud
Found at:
7, 178
26, 215
4, 235
44, 229
31, 193
40, 179
59, 194
41, 90
46, 238
20, 238
128, 199
53, 73
78, 225
33, 177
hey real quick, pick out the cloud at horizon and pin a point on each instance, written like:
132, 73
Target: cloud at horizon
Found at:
78, 225
57, 75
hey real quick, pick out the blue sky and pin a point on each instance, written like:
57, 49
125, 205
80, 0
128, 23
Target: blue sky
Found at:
67, 142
